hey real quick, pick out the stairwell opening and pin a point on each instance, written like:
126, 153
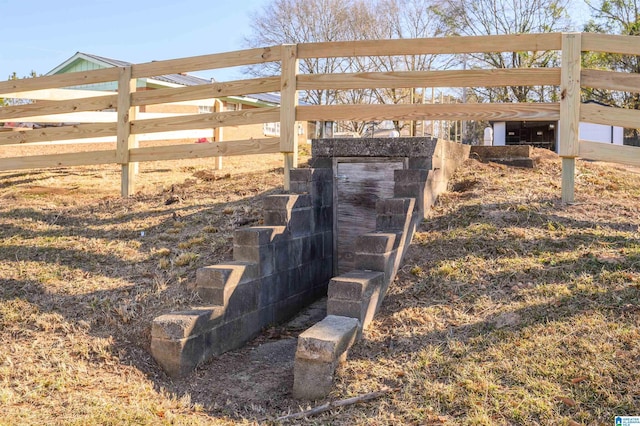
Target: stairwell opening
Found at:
353, 209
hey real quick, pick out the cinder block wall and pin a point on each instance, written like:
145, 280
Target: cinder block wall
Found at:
286, 264
277, 269
358, 294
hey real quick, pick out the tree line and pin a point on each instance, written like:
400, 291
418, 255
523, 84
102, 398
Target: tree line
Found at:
305, 21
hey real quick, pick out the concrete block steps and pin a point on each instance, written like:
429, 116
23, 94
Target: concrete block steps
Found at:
277, 269
280, 267
358, 294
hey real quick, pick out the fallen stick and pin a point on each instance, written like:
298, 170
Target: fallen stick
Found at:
335, 404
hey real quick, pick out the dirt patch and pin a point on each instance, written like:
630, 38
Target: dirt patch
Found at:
42, 190
254, 381
464, 186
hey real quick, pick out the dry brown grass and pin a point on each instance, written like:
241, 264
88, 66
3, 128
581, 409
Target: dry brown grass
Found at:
512, 308
83, 273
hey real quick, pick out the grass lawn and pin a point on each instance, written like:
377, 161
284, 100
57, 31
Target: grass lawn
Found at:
511, 307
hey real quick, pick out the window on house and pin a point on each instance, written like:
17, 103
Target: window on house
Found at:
231, 107
205, 109
271, 129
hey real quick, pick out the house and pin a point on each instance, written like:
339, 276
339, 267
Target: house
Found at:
87, 62
545, 134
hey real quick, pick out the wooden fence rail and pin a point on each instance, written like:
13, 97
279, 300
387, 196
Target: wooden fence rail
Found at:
432, 46
402, 79
65, 98
364, 112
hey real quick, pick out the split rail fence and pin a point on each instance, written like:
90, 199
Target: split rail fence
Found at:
54, 98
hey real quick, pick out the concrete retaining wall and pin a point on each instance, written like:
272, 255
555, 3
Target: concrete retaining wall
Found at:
510, 155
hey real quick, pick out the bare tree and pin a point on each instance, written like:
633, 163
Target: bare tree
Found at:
303, 21
495, 17
615, 17
397, 19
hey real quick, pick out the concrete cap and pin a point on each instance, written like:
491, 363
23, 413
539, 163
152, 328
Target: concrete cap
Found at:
327, 340
184, 324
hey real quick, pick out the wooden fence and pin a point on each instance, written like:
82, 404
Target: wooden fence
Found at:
127, 123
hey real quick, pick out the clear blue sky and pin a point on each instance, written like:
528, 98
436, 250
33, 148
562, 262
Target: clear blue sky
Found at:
40, 34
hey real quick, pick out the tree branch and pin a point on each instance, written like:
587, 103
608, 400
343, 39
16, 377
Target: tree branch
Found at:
335, 404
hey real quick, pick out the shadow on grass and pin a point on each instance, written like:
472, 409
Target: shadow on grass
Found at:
131, 339
31, 176
558, 249
564, 270
12, 288
465, 349
134, 292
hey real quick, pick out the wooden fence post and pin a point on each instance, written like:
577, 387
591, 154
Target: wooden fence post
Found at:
288, 105
569, 112
218, 133
126, 140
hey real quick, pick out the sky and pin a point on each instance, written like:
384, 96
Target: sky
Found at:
41, 34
